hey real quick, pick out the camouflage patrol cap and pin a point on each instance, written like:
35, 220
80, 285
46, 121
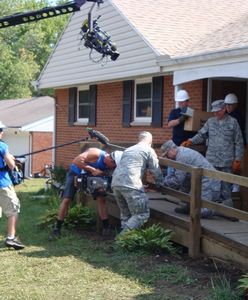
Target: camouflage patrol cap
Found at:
167, 146
218, 105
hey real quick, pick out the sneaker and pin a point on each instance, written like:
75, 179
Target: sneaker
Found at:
55, 234
14, 243
182, 209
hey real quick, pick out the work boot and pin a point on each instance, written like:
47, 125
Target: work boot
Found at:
182, 209
14, 243
55, 234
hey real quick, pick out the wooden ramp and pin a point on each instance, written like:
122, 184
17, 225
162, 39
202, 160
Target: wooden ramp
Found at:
220, 237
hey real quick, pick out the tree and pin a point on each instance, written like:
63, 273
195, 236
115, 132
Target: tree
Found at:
25, 48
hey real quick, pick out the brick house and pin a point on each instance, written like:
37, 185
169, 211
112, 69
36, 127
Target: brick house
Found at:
164, 45
30, 127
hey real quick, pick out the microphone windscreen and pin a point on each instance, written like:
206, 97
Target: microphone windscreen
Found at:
98, 135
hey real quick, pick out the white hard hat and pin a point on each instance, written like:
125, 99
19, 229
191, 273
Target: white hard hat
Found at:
231, 99
116, 155
181, 96
2, 125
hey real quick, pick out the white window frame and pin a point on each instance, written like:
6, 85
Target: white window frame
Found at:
82, 120
142, 119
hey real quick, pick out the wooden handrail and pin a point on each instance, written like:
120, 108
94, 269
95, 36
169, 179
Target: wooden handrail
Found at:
194, 198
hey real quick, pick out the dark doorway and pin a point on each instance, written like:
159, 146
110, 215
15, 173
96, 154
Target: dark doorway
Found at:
220, 88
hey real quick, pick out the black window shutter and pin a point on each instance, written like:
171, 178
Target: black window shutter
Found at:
127, 102
157, 101
93, 97
72, 106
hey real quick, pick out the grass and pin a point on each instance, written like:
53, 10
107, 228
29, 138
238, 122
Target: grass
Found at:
81, 266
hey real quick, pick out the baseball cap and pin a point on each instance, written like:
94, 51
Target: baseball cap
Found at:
167, 146
217, 105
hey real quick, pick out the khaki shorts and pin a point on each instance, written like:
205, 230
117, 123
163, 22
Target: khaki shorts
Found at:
9, 201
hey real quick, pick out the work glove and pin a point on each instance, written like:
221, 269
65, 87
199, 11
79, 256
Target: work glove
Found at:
187, 143
236, 166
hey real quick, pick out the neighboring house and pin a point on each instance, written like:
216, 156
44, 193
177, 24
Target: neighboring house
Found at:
30, 125
164, 45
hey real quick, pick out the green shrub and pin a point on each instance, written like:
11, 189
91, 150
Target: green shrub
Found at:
48, 219
151, 239
59, 174
222, 290
81, 216
243, 284
78, 216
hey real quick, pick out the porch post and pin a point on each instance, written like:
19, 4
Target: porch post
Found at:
195, 213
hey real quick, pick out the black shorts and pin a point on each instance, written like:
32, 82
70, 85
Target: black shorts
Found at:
70, 189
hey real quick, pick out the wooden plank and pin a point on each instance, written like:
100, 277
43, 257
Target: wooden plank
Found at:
213, 248
240, 180
168, 191
240, 237
226, 210
195, 211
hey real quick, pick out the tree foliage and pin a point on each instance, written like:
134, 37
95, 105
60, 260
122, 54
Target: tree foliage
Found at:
24, 49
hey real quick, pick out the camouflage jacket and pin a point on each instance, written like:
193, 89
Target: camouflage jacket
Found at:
223, 139
181, 179
134, 162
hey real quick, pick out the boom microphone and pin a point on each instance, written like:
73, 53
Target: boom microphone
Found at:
98, 135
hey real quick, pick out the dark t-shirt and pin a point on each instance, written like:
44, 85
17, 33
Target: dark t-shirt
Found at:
237, 115
179, 135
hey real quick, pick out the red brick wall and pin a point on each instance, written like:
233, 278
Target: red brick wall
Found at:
41, 140
109, 117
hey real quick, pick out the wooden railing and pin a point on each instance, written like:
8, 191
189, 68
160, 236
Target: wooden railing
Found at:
194, 198
196, 203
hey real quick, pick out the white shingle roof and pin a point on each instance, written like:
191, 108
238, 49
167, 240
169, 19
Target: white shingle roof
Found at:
188, 27
146, 31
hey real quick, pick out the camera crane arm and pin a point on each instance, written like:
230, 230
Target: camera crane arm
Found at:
93, 36
44, 13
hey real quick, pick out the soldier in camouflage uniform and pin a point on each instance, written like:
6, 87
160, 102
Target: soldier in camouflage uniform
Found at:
182, 180
225, 146
127, 181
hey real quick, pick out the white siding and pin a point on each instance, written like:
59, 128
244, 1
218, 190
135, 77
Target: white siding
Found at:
70, 65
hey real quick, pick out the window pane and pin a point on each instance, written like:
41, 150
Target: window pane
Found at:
83, 105
143, 109
83, 112
83, 97
143, 99
144, 91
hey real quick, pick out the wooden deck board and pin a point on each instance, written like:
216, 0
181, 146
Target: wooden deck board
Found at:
219, 237
237, 231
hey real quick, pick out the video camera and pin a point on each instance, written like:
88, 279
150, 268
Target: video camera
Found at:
94, 184
98, 39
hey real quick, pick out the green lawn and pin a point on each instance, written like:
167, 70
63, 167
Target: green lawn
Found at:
84, 265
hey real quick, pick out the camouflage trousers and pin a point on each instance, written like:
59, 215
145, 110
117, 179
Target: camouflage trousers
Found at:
210, 190
226, 188
133, 206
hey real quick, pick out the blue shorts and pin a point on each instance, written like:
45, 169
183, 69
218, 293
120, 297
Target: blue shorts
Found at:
70, 189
